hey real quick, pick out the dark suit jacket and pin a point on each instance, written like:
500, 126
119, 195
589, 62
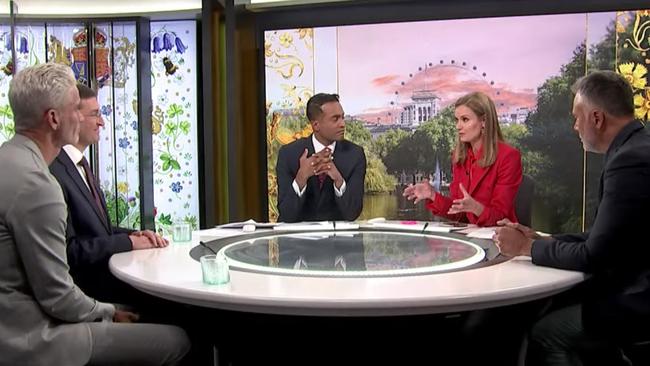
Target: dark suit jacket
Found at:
320, 204
91, 240
616, 249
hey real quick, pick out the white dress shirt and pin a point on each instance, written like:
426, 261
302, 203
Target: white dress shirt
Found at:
76, 156
318, 147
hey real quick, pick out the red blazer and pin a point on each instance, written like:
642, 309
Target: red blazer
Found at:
495, 187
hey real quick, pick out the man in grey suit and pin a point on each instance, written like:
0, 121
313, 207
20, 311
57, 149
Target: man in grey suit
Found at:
46, 319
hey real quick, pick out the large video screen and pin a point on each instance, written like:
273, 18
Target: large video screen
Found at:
396, 83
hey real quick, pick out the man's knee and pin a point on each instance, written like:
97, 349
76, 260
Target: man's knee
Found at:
543, 332
177, 343
558, 329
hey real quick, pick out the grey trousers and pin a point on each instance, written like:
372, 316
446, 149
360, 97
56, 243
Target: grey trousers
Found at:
560, 339
137, 344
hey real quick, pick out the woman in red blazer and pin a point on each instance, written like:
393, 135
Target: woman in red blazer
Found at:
486, 171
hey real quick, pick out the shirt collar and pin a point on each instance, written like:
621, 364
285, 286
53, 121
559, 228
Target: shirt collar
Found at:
74, 153
318, 146
472, 155
622, 136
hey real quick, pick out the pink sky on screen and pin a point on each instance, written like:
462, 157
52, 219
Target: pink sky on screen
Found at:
517, 53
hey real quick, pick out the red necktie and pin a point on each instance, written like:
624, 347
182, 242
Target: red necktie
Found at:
321, 179
92, 184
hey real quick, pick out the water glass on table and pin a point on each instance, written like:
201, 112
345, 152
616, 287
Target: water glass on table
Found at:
215, 269
182, 232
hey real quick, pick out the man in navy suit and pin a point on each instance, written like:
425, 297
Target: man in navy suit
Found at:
91, 238
615, 309
321, 177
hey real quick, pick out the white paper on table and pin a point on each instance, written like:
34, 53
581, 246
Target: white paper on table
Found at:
317, 225
480, 233
239, 225
212, 234
319, 235
432, 227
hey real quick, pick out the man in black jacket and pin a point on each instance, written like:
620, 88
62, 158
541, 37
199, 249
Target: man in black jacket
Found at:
615, 309
321, 177
91, 239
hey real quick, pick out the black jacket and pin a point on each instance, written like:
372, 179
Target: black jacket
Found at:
617, 248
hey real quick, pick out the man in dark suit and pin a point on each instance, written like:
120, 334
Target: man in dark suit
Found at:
321, 177
615, 308
91, 238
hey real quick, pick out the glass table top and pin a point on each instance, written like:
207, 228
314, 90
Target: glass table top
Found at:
352, 253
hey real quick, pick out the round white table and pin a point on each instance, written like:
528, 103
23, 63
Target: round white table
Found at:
172, 274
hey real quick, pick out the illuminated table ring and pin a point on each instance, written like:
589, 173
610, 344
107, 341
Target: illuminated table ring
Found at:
358, 253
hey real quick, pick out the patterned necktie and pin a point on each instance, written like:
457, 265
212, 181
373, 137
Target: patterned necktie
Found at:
321, 179
92, 184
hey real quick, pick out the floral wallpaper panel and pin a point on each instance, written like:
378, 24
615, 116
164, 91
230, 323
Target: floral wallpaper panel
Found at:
119, 165
175, 123
30, 45
6, 66
289, 72
30, 50
106, 144
68, 44
633, 52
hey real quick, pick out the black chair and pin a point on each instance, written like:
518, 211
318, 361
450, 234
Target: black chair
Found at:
524, 201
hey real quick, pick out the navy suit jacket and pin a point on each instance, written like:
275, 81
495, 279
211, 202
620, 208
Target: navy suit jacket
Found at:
318, 203
616, 249
91, 240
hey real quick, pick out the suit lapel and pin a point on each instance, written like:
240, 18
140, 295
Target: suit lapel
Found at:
312, 182
326, 194
73, 173
477, 175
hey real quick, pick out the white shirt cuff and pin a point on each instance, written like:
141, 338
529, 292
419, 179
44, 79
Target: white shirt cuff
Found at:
339, 192
297, 189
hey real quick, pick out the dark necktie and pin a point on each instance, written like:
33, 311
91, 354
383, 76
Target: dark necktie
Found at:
92, 184
321, 179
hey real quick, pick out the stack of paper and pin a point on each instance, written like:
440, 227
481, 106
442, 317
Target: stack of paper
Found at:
239, 225
212, 234
480, 233
421, 226
431, 227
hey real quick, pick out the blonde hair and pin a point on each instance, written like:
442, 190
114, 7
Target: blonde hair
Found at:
484, 108
36, 89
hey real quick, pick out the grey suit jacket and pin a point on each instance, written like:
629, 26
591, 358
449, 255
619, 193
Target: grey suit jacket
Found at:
43, 313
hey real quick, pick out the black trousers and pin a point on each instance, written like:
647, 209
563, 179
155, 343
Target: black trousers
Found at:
559, 338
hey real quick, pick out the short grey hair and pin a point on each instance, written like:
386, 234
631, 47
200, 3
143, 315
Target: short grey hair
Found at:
607, 90
36, 89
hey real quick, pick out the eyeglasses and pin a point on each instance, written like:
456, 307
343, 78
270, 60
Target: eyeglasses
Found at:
96, 114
